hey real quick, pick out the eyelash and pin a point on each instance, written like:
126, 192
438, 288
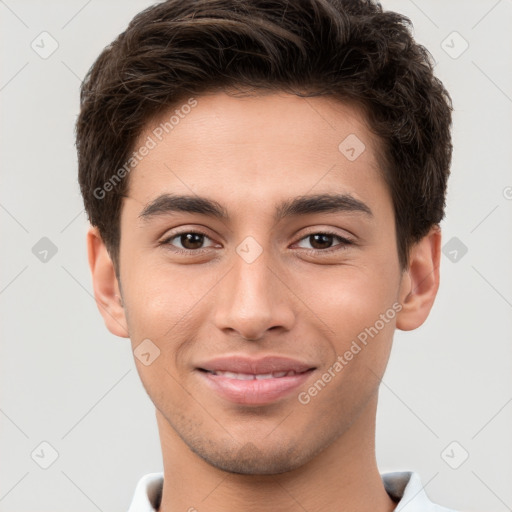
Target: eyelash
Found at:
340, 247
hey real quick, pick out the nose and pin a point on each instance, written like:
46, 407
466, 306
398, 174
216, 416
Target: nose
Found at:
252, 299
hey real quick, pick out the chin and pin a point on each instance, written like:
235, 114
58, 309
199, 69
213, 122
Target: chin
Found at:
251, 459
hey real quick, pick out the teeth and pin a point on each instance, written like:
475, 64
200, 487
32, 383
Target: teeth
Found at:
263, 376
239, 376
250, 376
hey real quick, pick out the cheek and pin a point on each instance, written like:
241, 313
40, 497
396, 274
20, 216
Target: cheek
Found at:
362, 324
350, 299
357, 306
161, 300
161, 316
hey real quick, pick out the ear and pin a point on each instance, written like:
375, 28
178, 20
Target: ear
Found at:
105, 284
420, 282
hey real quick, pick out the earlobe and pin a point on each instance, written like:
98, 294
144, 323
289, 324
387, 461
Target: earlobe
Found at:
105, 284
420, 281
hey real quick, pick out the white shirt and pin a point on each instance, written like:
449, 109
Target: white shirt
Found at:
403, 487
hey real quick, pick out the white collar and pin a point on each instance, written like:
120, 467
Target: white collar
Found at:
404, 487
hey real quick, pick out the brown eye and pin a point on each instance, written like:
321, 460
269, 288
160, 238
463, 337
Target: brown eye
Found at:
188, 241
324, 242
191, 240
321, 240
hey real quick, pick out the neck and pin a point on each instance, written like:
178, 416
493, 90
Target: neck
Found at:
342, 478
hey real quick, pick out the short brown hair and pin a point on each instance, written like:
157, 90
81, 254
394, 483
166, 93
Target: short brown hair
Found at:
350, 50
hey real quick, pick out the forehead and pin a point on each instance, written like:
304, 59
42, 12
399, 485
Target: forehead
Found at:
260, 145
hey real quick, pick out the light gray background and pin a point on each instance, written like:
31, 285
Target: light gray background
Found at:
67, 381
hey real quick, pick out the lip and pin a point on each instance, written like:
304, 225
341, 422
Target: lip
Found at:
255, 391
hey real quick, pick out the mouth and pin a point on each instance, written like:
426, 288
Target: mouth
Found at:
251, 376
248, 381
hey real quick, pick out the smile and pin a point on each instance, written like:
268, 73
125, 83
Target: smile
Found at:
250, 376
246, 381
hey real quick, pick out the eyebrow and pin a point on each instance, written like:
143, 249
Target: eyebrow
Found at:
301, 205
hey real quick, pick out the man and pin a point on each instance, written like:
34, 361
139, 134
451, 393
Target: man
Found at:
265, 183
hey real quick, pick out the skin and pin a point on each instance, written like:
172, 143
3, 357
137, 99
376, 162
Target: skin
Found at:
249, 154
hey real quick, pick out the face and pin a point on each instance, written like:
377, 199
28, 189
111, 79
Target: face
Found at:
266, 297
